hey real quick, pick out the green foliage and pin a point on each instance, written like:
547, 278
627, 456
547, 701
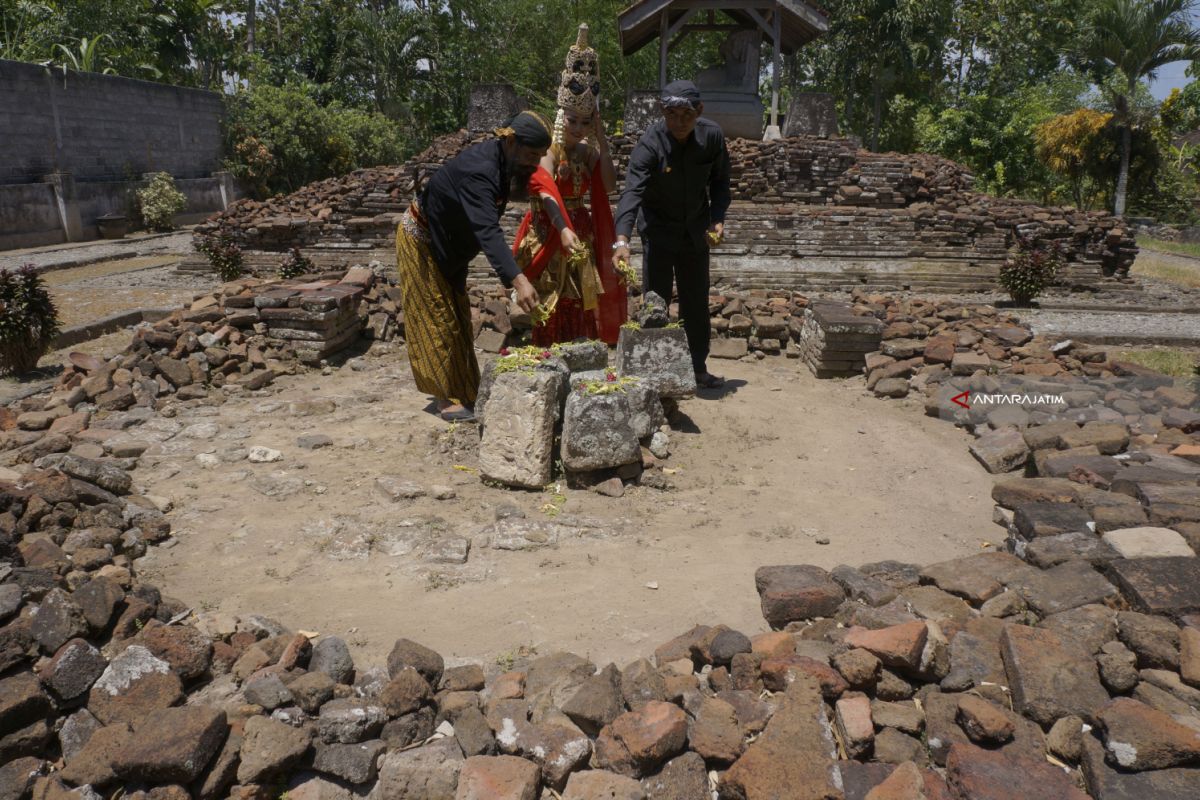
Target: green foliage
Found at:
1129, 40
994, 135
1075, 147
295, 263
29, 320
1031, 268
223, 254
160, 201
280, 138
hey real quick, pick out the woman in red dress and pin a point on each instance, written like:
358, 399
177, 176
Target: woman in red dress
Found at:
565, 240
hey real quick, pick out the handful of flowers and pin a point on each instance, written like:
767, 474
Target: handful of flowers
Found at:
627, 273
714, 238
544, 310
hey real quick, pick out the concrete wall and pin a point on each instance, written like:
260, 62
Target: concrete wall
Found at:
102, 127
31, 215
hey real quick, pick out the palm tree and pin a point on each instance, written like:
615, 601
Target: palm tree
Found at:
1133, 38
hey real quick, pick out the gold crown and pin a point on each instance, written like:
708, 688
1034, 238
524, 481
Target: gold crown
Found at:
579, 87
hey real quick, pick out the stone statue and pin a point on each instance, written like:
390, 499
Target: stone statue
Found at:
739, 72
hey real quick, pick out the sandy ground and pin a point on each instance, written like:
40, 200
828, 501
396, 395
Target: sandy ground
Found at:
762, 473
92, 292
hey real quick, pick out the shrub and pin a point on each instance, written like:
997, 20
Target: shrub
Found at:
224, 255
295, 263
280, 138
160, 201
28, 320
1030, 268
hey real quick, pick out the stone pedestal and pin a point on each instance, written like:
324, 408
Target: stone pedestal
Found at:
834, 341
518, 441
811, 114
740, 114
491, 104
659, 358
641, 111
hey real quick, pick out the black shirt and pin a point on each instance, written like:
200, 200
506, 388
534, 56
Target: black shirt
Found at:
681, 188
462, 203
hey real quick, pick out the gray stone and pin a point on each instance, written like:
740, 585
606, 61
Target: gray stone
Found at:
57, 620
75, 732
1064, 587
10, 600
1153, 639
1160, 585
1050, 551
332, 656
353, 763
268, 692
1000, 451
73, 670
653, 312
862, 587
597, 701
422, 773
473, 733
1050, 676
103, 474
516, 447
407, 653
1147, 542
1034, 520
350, 721
1091, 625
660, 358
646, 409
270, 749
582, 356
313, 441
597, 432
172, 745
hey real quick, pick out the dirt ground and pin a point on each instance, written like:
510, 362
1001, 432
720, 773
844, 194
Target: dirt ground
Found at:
764, 472
92, 292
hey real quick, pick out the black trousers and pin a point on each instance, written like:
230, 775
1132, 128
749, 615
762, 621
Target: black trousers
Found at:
683, 262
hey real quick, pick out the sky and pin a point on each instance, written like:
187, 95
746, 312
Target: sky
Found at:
1171, 76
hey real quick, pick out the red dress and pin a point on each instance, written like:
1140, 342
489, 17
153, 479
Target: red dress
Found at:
590, 296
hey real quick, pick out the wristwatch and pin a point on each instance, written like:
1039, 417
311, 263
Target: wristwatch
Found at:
619, 244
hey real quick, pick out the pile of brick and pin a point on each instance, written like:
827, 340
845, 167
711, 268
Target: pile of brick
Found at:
1067, 667
798, 198
834, 341
316, 319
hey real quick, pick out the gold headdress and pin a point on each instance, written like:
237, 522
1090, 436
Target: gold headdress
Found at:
579, 86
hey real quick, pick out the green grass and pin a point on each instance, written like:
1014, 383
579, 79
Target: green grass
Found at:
1176, 363
1162, 246
1150, 264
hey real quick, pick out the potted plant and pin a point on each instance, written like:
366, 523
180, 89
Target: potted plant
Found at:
28, 320
1031, 268
112, 226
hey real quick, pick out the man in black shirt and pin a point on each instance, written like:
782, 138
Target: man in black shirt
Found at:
457, 216
678, 179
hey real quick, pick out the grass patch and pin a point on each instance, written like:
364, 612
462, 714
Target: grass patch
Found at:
1163, 246
1176, 363
1148, 265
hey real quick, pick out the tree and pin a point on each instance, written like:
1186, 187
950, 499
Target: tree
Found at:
1075, 146
1129, 40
